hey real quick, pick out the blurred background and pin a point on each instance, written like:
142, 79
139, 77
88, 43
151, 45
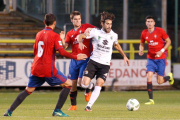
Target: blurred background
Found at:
20, 20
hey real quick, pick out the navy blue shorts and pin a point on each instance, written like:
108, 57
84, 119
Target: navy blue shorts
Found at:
58, 79
156, 65
76, 68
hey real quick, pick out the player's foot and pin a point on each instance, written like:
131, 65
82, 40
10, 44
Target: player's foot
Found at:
73, 107
88, 96
150, 102
88, 109
59, 113
7, 113
171, 80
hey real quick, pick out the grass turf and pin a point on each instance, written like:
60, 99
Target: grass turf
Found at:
109, 106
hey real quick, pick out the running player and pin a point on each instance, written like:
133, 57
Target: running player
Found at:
76, 68
43, 68
158, 41
99, 64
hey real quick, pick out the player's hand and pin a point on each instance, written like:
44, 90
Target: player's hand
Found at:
87, 31
62, 35
158, 54
81, 56
126, 60
141, 52
81, 46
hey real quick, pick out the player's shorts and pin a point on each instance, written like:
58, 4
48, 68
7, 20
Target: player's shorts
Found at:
76, 68
93, 68
156, 65
58, 79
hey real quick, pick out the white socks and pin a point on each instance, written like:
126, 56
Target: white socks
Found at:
95, 94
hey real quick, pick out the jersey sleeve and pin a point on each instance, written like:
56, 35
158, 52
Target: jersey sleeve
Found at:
92, 33
142, 37
58, 43
68, 38
116, 39
164, 34
89, 25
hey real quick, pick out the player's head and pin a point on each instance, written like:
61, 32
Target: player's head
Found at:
50, 20
106, 21
75, 17
150, 22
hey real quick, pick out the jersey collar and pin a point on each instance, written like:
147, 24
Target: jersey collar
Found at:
152, 31
105, 32
48, 28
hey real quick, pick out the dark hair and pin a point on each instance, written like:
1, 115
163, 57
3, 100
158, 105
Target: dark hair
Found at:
149, 17
74, 13
49, 19
106, 15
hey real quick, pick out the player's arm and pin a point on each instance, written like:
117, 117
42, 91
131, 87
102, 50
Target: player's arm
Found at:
141, 48
79, 39
119, 49
62, 36
64, 53
168, 43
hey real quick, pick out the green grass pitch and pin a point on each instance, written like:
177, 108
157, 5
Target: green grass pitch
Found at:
109, 106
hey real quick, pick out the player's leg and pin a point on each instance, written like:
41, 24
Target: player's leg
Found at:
60, 79
73, 76
33, 83
87, 92
151, 67
95, 94
161, 70
101, 76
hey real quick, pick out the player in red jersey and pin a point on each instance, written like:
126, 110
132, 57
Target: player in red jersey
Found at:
158, 41
76, 68
43, 68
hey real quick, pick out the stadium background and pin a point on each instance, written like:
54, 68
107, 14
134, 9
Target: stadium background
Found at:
129, 22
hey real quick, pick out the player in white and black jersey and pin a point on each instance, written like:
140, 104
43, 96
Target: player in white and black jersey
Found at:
99, 63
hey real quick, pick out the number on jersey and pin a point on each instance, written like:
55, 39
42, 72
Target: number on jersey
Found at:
40, 49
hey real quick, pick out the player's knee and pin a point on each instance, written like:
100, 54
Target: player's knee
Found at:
84, 86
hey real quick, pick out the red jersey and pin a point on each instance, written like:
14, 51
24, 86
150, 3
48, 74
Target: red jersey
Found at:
72, 40
156, 41
46, 44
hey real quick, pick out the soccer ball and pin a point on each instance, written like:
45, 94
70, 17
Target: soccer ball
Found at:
132, 104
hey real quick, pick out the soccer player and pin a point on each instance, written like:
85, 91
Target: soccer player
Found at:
158, 41
99, 64
76, 67
43, 68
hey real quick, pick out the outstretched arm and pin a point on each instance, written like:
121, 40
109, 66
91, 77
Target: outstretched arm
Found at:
119, 49
79, 39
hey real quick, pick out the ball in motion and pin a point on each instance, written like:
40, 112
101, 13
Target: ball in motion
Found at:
132, 104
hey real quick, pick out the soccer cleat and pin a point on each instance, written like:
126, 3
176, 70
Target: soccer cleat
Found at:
59, 113
150, 102
7, 113
73, 107
171, 80
88, 96
88, 109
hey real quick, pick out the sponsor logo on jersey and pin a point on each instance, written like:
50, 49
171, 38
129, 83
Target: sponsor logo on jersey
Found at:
152, 43
105, 42
146, 37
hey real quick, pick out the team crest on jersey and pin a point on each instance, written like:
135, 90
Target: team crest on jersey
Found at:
111, 37
86, 72
80, 31
99, 37
71, 36
146, 37
155, 36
